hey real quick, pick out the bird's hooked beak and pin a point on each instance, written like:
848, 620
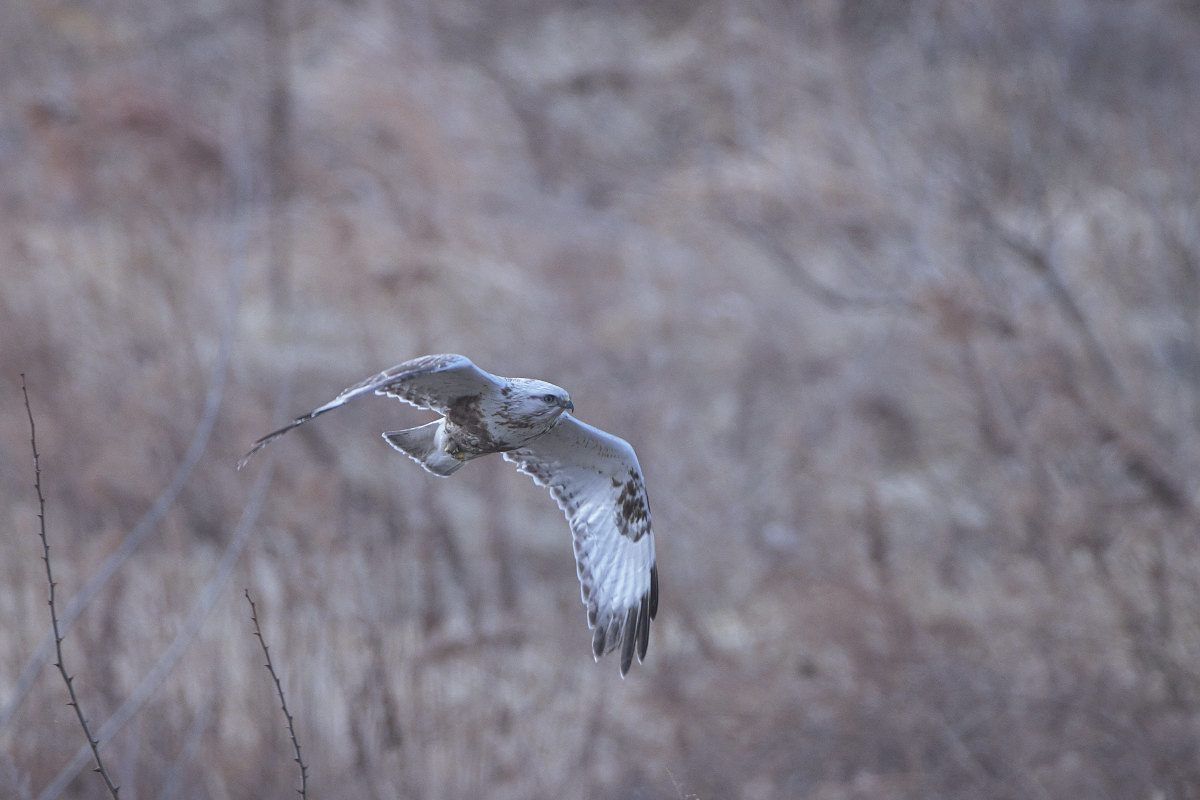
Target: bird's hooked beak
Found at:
568, 405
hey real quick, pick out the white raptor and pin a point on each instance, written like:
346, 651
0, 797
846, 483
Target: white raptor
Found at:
593, 475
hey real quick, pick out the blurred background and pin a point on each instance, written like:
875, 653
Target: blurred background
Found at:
899, 303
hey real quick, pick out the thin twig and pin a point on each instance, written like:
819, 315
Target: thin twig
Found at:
282, 700
58, 639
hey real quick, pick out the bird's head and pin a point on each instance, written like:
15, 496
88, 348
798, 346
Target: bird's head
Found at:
539, 400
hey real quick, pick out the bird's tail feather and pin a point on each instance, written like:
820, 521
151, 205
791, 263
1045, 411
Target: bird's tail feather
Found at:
425, 445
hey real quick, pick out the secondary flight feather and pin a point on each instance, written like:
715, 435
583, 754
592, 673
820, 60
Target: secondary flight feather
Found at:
594, 476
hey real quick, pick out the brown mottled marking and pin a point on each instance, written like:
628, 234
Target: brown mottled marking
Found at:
633, 510
466, 425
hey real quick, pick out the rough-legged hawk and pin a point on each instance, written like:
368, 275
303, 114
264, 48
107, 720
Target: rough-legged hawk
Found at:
593, 475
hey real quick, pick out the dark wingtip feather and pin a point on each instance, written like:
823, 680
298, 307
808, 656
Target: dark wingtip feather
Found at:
270, 437
643, 628
629, 633
598, 637
298, 421
653, 591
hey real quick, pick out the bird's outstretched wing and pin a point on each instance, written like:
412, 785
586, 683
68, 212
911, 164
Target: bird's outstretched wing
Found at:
428, 382
598, 484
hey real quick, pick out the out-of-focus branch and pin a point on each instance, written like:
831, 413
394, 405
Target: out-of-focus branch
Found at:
1038, 260
279, 152
1143, 462
679, 788
282, 698
171, 784
825, 295
93, 742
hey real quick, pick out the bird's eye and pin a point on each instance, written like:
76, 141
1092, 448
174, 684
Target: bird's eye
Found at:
549, 398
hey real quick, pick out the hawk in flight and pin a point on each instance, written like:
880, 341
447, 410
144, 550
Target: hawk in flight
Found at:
593, 475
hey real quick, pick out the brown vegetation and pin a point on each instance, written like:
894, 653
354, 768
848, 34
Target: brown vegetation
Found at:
899, 303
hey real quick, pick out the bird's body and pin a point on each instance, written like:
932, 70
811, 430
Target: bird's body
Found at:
594, 476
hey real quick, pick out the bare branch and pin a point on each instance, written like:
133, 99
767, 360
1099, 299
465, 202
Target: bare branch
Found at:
58, 639
282, 699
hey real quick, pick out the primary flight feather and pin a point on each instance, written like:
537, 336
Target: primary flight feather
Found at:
594, 476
